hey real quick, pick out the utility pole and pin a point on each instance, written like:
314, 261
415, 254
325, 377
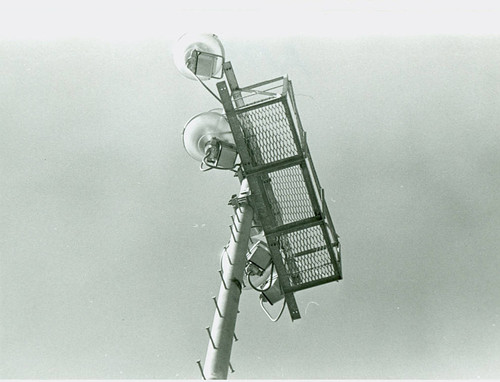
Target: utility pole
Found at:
258, 137
222, 332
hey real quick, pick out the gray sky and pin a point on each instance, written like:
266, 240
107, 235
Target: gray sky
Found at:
111, 235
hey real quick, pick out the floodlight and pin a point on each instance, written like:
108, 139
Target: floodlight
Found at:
259, 256
272, 293
199, 56
256, 281
207, 138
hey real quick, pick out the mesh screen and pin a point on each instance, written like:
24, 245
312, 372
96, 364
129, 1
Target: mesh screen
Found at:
288, 195
291, 193
306, 257
268, 133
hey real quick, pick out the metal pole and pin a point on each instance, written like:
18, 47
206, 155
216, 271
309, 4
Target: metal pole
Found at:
222, 333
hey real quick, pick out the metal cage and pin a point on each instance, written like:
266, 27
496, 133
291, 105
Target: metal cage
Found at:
285, 190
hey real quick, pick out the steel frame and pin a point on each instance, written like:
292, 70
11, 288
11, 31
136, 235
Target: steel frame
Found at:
234, 100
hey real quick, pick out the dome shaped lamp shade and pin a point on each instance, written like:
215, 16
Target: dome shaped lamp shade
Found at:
202, 129
199, 55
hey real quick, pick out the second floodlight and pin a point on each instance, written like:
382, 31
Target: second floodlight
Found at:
208, 138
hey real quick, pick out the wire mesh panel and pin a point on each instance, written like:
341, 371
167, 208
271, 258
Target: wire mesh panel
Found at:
306, 256
273, 134
289, 196
268, 134
285, 188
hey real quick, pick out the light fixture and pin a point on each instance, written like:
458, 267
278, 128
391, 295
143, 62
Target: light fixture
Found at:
199, 56
207, 138
259, 257
272, 292
259, 266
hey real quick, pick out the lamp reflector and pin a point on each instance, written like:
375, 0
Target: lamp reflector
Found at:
202, 54
201, 129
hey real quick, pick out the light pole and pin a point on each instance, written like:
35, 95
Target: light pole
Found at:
222, 334
282, 238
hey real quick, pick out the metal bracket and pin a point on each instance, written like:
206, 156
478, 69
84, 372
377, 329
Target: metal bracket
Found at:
210, 336
201, 369
236, 201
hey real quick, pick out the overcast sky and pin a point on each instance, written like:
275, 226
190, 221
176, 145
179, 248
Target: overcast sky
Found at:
111, 236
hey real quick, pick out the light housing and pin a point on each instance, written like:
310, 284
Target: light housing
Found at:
208, 138
199, 55
274, 293
259, 256
201, 129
